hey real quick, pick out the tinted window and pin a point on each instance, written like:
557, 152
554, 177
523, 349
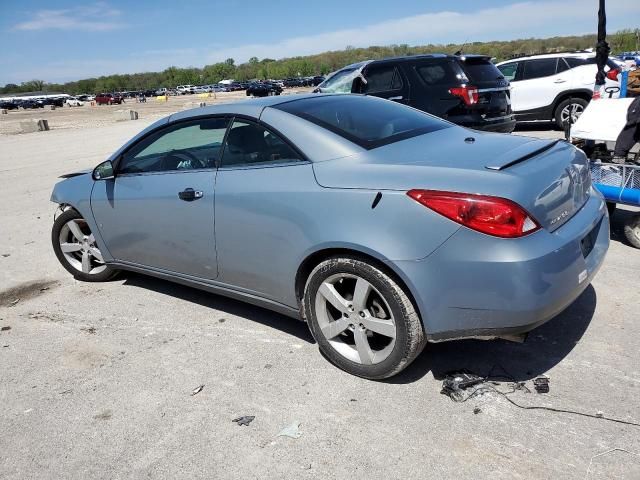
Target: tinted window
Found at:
509, 70
576, 62
249, 143
183, 146
438, 73
543, 67
562, 66
367, 121
382, 79
481, 70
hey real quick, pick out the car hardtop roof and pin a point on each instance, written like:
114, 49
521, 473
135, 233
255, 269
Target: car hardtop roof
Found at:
252, 107
408, 58
572, 53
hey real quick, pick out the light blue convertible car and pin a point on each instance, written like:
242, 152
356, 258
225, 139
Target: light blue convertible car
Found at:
381, 226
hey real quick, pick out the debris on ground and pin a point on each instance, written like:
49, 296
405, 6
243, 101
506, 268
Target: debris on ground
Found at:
14, 302
89, 330
4, 329
5, 255
197, 390
292, 431
476, 410
541, 383
222, 320
268, 366
454, 384
244, 420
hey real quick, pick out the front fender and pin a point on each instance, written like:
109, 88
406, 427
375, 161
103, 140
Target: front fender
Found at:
76, 192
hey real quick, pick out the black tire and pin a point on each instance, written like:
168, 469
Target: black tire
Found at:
632, 230
410, 337
557, 115
107, 274
611, 207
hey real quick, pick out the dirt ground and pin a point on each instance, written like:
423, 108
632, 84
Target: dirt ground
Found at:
103, 115
96, 380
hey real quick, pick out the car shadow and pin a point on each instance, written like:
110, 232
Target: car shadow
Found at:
540, 126
545, 347
618, 221
253, 313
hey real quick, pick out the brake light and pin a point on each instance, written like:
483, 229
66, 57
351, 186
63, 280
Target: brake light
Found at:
467, 93
491, 215
613, 74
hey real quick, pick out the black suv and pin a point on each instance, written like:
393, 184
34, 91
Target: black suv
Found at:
465, 89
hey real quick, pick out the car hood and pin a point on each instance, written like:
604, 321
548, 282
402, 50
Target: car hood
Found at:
76, 174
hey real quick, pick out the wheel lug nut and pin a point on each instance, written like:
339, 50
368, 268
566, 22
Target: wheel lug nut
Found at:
362, 314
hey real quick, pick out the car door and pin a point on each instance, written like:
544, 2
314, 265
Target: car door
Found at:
385, 81
537, 84
158, 211
261, 187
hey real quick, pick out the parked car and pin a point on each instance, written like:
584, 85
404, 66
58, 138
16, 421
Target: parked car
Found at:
29, 104
555, 86
317, 80
86, 98
108, 99
8, 105
381, 226
263, 89
467, 90
73, 102
185, 89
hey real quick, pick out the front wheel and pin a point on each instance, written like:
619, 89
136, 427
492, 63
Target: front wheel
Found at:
632, 230
361, 318
76, 248
569, 109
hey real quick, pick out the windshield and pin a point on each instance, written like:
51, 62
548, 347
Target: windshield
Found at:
340, 82
366, 121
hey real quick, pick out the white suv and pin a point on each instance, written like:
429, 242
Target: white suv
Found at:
554, 86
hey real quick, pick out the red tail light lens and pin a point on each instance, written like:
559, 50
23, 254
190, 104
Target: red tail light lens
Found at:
613, 74
467, 93
491, 215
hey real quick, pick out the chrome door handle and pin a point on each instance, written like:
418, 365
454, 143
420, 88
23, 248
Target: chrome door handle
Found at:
560, 81
395, 98
189, 194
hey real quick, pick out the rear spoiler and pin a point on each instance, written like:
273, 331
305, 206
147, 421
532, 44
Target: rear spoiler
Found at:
527, 154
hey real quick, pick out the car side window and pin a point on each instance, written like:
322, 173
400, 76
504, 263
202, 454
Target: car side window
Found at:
249, 143
437, 72
382, 79
562, 66
543, 67
509, 71
187, 145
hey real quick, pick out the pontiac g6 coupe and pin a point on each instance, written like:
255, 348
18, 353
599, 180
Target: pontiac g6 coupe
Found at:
381, 226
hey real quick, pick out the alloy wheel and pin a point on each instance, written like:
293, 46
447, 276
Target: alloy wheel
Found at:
78, 245
573, 111
355, 319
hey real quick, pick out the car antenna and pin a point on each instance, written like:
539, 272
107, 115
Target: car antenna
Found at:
459, 51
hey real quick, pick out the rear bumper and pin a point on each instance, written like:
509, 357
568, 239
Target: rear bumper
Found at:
476, 285
502, 125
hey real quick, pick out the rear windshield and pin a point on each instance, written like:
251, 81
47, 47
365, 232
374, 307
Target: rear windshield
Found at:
481, 70
367, 121
439, 72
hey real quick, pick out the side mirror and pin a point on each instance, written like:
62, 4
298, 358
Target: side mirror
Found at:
104, 171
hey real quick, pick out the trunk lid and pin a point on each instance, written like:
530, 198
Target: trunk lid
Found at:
549, 179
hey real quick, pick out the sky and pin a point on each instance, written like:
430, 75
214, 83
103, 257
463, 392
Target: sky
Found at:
58, 41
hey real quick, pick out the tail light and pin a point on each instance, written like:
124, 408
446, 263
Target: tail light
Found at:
613, 74
467, 93
491, 215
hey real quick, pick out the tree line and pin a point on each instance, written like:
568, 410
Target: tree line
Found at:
319, 64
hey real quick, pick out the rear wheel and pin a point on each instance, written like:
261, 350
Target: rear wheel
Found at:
76, 249
569, 109
632, 231
361, 318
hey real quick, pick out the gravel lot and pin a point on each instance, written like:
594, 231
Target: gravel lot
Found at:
96, 379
